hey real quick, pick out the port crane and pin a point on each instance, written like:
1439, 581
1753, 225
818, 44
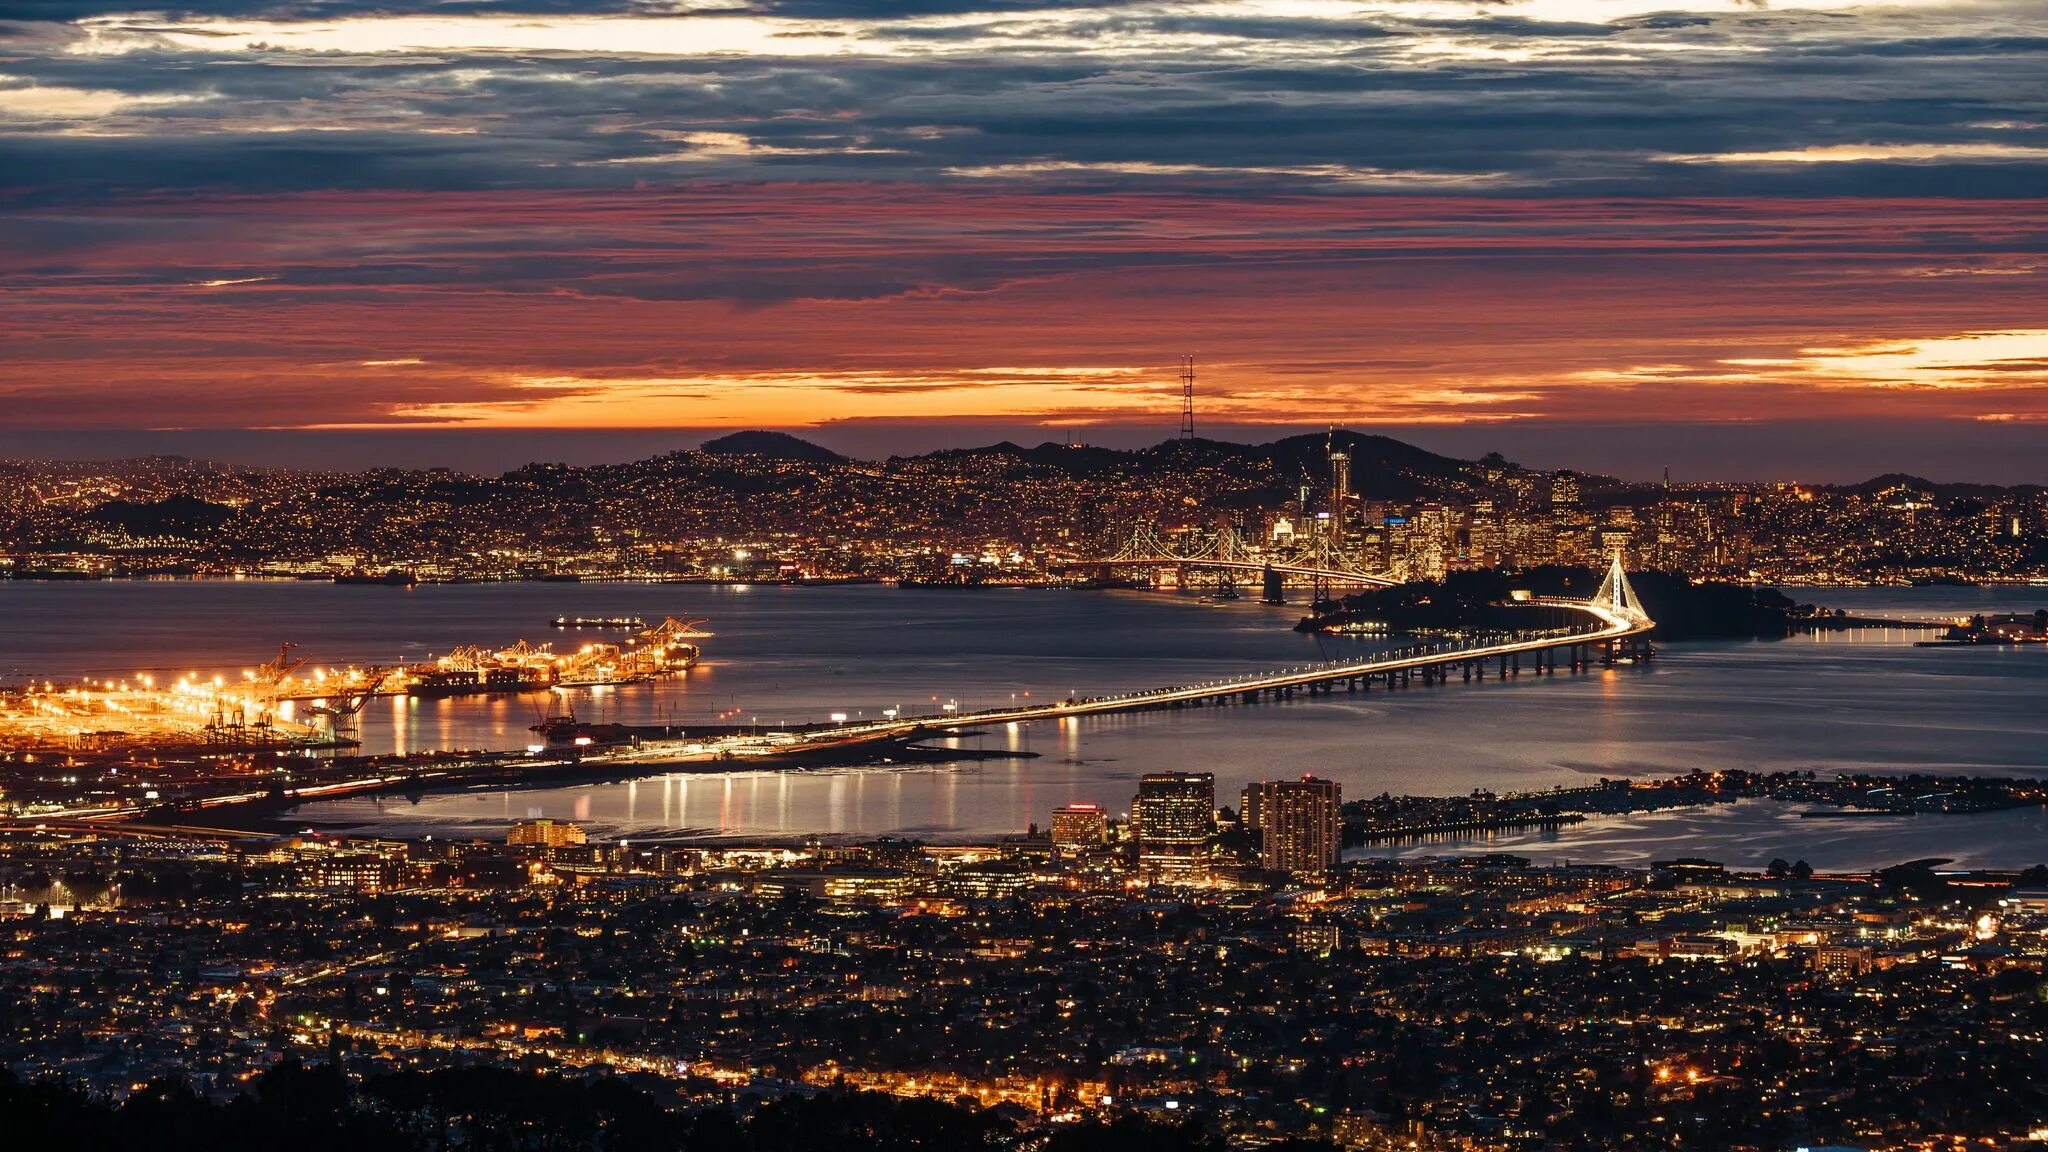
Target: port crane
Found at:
271, 674
344, 705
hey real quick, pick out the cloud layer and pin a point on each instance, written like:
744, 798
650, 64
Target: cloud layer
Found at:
556, 212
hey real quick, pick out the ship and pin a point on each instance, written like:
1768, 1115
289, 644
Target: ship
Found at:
396, 578
1106, 584
567, 732
666, 649
432, 683
598, 622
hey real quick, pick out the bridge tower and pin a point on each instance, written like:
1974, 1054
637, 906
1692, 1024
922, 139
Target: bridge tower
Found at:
1615, 595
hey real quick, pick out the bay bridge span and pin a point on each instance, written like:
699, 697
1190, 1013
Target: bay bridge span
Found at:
1609, 626
1319, 559
1320, 554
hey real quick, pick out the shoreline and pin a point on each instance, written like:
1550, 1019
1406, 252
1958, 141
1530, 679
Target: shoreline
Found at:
269, 813
1632, 839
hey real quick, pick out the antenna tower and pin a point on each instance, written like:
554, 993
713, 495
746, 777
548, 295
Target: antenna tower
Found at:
1187, 398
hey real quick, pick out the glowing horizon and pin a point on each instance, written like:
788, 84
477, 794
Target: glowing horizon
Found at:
520, 214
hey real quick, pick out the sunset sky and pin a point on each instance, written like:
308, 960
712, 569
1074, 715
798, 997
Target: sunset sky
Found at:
1760, 238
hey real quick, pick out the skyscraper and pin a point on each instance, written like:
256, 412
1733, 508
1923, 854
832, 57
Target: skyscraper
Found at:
1340, 489
1564, 493
1175, 815
1298, 822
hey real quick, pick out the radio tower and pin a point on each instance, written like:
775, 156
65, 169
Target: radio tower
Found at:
1187, 398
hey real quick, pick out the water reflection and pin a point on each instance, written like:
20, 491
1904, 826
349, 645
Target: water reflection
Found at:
1863, 700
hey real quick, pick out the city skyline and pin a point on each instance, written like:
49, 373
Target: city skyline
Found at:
1024, 575
1814, 453
1557, 221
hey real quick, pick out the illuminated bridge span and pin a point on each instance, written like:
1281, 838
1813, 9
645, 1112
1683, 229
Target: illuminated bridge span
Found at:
1612, 625
1321, 559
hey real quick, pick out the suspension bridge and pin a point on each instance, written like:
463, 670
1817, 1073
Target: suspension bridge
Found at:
1608, 627
1317, 558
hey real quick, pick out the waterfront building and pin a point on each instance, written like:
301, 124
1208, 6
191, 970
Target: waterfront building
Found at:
1078, 827
545, 834
1297, 822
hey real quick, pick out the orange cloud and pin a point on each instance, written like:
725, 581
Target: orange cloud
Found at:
792, 305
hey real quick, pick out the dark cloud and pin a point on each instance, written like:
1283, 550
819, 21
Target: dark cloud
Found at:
72, 10
309, 10
1496, 103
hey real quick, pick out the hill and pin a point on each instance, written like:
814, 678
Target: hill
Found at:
772, 445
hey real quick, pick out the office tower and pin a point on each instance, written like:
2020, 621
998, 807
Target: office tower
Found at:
1175, 815
1564, 493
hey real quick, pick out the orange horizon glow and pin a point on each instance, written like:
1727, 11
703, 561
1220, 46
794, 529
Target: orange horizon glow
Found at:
737, 306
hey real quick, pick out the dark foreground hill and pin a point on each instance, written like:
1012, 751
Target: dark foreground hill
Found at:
771, 445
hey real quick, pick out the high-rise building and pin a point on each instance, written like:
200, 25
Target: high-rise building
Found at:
1564, 493
1340, 490
1175, 815
1298, 822
1079, 827
545, 834
1429, 540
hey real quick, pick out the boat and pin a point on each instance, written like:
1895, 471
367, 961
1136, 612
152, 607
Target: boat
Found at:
666, 649
396, 578
1105, 584
565, 731
598, 622
1356, 628
439, 683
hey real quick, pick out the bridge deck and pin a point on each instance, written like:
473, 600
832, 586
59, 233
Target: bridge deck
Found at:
1605, 625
